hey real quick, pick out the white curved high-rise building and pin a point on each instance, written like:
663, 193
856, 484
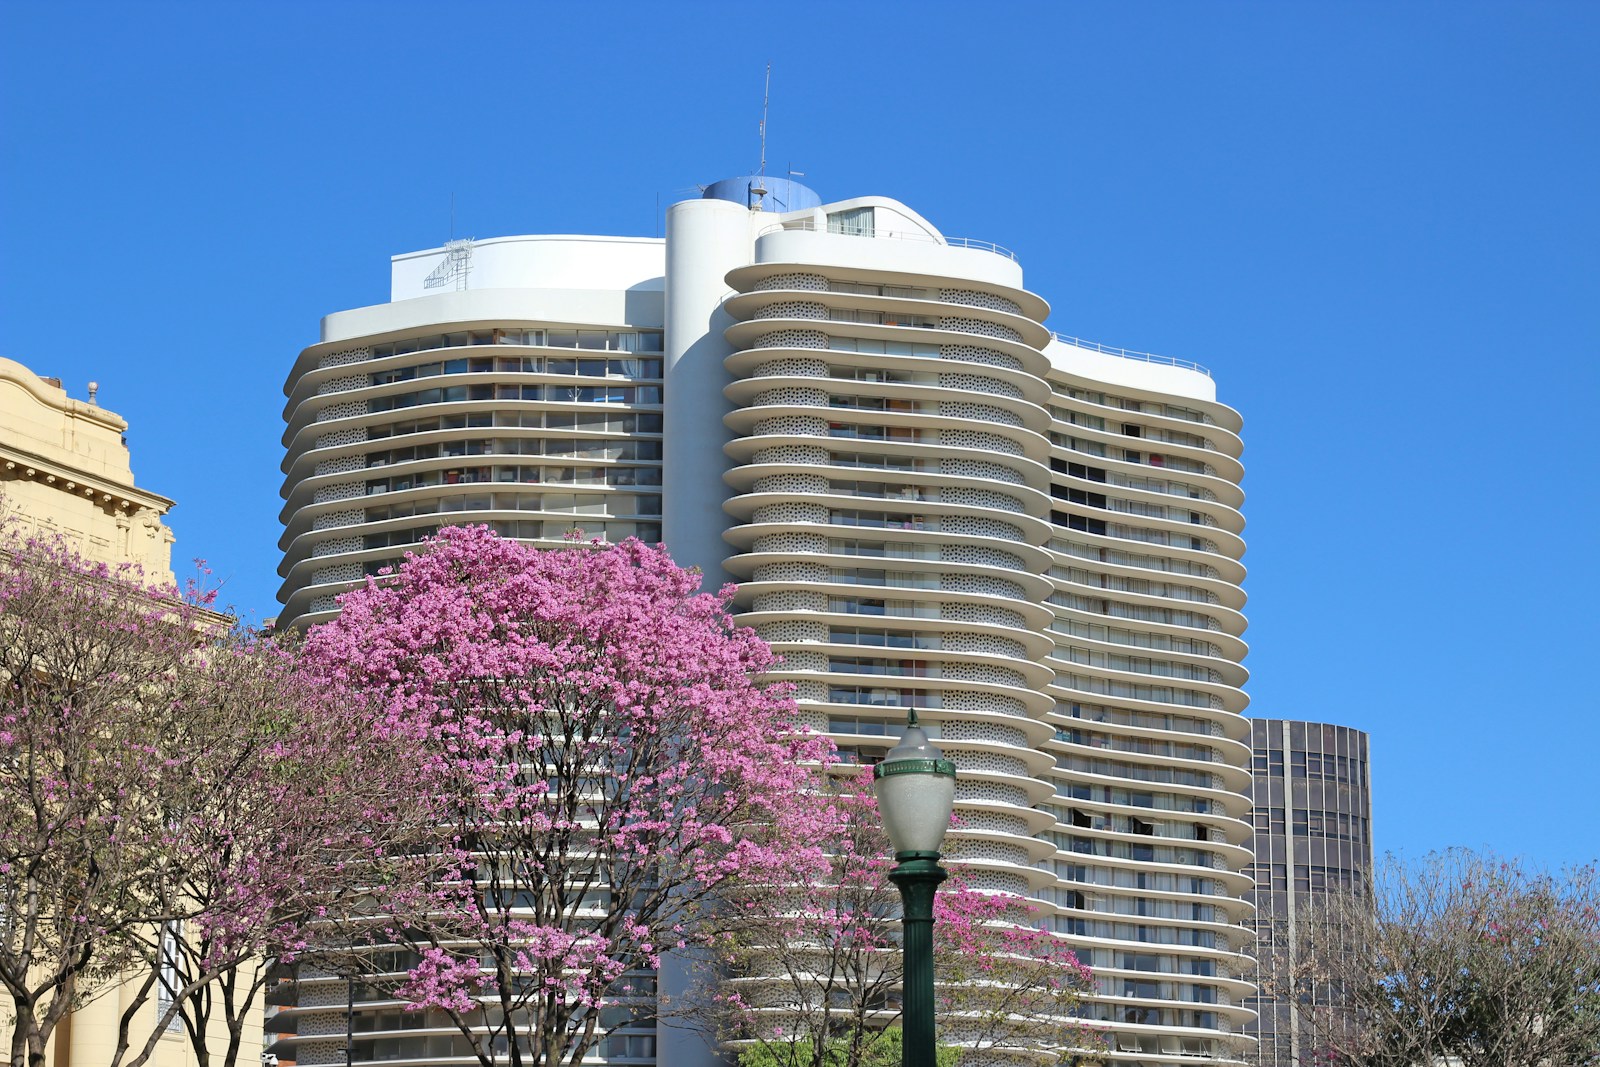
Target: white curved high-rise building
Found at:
928, 500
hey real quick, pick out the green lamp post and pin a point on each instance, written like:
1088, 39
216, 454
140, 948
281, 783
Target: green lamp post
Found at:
916, 790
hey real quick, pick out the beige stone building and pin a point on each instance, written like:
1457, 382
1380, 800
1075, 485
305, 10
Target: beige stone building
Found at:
64, 469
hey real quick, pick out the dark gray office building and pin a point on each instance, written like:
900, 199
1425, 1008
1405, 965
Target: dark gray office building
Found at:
1312, 817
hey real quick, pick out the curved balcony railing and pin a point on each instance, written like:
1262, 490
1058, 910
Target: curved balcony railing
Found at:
1128, 353
810, 225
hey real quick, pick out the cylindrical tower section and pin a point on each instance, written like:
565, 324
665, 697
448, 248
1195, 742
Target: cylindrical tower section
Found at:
1312, 819
705, 240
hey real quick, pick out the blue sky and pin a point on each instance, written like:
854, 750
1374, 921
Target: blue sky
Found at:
1379, 225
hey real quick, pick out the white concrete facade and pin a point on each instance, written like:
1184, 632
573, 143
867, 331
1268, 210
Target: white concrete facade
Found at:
928, 500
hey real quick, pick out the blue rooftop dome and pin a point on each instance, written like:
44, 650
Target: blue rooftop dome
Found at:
782, 193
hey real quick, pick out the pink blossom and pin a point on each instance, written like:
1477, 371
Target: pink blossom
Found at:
593, 735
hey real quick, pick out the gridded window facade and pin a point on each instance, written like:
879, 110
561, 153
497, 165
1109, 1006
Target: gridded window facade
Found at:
1312, 818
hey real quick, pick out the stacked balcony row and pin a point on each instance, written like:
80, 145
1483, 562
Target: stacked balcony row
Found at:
927, 514
390, 439
890, 504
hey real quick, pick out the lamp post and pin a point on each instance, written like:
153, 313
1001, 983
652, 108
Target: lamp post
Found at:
916, 790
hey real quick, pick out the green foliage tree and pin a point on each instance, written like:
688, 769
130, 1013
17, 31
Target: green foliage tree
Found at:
882, 1051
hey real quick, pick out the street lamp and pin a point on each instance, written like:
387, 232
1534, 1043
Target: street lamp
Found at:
916, 790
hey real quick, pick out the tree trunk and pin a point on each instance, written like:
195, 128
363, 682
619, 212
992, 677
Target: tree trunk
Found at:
23, 1011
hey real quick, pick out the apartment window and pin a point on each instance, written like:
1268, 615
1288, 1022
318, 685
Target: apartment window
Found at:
857, 222
1079, 522
171, 978
872, 727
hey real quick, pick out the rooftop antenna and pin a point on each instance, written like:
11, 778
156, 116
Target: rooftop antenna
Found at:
759, 189
457, 262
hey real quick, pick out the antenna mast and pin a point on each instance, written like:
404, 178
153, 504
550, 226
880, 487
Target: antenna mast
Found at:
457, 262
758, 189
766, 95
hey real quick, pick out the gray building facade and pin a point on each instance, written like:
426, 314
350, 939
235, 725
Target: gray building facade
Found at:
1312, 817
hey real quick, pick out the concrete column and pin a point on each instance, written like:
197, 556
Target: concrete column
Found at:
705, 240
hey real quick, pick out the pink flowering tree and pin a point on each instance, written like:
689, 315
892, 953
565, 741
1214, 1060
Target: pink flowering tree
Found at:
83, 651
177, 805
596, 746
284, 808
810, 965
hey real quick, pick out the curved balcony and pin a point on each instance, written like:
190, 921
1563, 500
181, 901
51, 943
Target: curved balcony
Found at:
898, 445
1110, 736
1177, 593
1110, 449
898, 364
1137, 504
1180, 667
926, 566
1124, 538
959, 352
1237, 883
885, 397
910, 427
800, 307
441, 497
1089, 571
1214, 418
462, 436
475, 415
779, 275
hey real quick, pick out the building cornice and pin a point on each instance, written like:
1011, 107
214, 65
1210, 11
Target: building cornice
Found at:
111, 495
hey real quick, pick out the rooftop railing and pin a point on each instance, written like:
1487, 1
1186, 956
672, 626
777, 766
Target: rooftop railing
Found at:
951, 242
1124, 353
